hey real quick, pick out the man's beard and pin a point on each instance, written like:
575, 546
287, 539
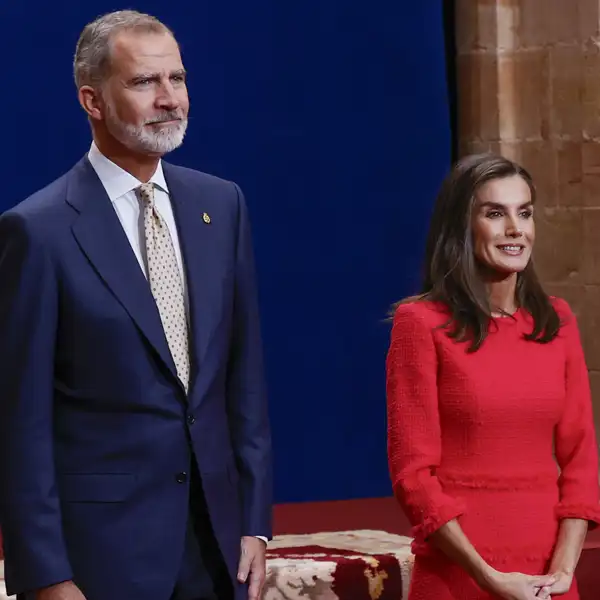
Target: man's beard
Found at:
140, 138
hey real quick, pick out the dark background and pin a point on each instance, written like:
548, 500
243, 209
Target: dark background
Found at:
335, 117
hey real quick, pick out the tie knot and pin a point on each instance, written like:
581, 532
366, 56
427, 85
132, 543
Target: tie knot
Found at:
146, 193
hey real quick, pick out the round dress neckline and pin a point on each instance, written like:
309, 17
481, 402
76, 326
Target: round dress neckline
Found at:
508, 317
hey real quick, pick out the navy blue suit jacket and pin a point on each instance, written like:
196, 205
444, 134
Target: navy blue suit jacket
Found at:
96, 431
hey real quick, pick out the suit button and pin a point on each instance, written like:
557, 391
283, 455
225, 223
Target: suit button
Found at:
191, 419
181, 477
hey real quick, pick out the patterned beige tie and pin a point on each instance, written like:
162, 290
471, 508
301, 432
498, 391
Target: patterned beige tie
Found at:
164, 276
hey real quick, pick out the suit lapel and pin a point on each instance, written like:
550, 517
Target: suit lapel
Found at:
102, 239
196, 241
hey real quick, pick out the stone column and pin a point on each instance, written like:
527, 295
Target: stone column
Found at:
529, 88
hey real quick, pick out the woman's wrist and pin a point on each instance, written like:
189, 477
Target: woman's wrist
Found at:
486, 576
563, 570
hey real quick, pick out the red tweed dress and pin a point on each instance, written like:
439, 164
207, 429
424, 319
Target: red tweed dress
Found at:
477, 437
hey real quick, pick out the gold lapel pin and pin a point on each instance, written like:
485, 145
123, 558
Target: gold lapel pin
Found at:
206, 218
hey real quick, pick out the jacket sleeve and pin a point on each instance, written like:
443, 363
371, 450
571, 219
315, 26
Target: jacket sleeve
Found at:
246, 390
30, 516
414, 436
575, 438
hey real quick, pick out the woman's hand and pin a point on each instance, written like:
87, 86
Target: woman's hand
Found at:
562, 585
518, 586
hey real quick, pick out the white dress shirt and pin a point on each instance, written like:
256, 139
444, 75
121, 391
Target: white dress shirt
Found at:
120, 187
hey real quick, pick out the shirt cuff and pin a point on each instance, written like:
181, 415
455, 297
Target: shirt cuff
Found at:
263, 538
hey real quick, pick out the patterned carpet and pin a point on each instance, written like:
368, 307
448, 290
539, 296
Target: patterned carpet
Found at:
362, 565
3, 595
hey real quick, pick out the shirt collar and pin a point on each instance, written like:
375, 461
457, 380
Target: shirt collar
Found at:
116, 181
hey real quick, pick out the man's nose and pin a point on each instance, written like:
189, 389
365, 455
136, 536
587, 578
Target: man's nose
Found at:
168, 97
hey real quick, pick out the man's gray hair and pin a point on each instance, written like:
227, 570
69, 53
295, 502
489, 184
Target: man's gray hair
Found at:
92, 54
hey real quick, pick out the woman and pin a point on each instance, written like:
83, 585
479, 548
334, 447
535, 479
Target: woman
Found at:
486, 387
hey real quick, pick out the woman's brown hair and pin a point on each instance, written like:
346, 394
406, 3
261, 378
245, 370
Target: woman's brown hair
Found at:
452, 275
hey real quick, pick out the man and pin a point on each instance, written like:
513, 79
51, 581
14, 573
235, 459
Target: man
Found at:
136, 461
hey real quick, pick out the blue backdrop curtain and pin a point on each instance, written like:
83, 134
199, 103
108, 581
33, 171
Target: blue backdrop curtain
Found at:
333, 117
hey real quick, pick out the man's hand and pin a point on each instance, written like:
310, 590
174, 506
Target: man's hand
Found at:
66, 590
253, 565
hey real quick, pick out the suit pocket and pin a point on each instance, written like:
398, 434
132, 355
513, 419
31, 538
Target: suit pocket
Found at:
96, 487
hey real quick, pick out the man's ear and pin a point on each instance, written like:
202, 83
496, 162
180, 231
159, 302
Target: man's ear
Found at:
91, 102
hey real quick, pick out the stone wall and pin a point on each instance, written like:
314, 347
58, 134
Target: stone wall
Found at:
529, 88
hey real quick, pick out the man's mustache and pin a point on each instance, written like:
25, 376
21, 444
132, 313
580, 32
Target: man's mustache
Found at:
164, 117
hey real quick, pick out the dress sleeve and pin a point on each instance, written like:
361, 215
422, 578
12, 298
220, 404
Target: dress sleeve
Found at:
575, 439
414, 437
